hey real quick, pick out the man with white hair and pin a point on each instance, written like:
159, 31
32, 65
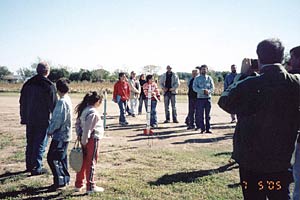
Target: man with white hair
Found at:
37, 102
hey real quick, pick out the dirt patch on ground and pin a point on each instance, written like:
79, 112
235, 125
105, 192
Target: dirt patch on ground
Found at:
169, 135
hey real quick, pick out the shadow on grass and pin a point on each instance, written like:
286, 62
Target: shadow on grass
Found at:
206, 140
234, 185
12, 175
188, 177
38, 193
120, 149
117, 126
221, 123
225, 126
226, 153
157, 135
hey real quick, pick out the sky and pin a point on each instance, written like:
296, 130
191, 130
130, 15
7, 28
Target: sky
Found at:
130, 34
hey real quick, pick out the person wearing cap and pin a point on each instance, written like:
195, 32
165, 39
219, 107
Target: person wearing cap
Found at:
135, 90
169, 82
37, 102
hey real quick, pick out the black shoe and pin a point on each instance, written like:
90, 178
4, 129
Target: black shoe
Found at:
202, 131
54, 187
175, 121
167, 121
197, 129
133, 115
39, 172
208, 132
123, 123
190, 127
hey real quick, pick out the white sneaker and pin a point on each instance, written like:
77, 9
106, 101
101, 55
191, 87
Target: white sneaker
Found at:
95, 189
79, 189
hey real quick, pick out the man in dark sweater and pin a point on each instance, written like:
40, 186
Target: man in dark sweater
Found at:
192, 96
295, 64
37, 101
269, 104
169, 82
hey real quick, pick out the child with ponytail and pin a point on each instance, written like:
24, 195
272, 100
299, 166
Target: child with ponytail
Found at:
89, 129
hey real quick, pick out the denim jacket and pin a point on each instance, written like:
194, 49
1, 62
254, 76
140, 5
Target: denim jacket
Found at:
201, 83
61, 122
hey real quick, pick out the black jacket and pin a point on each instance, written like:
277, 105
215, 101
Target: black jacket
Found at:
37, 101
269, 108
296, 71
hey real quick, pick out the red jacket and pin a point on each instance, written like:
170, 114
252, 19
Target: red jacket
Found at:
122, 89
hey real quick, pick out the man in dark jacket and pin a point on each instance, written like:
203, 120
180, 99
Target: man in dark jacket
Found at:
192, 96
37, 101
295, 64
228, 81
269, 104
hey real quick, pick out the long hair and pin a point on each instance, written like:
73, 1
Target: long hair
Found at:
89, 99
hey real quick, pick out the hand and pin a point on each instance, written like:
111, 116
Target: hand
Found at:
172, 89
205, 91
166, 89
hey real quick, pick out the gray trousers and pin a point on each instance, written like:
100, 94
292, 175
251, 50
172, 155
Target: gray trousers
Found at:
167, 99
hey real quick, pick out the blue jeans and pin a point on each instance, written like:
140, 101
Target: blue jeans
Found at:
141, 100
36, 143
296, 173
153, 113
122, 107
167, 98
58, 162
203, 106
192, 109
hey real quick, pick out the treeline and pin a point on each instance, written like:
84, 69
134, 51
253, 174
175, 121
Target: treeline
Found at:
97, 75
217, 76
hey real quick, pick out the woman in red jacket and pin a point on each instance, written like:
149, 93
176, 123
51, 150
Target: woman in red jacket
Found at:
121, 96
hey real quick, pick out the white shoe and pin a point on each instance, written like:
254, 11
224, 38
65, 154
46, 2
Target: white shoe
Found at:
95, 189
79, 189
